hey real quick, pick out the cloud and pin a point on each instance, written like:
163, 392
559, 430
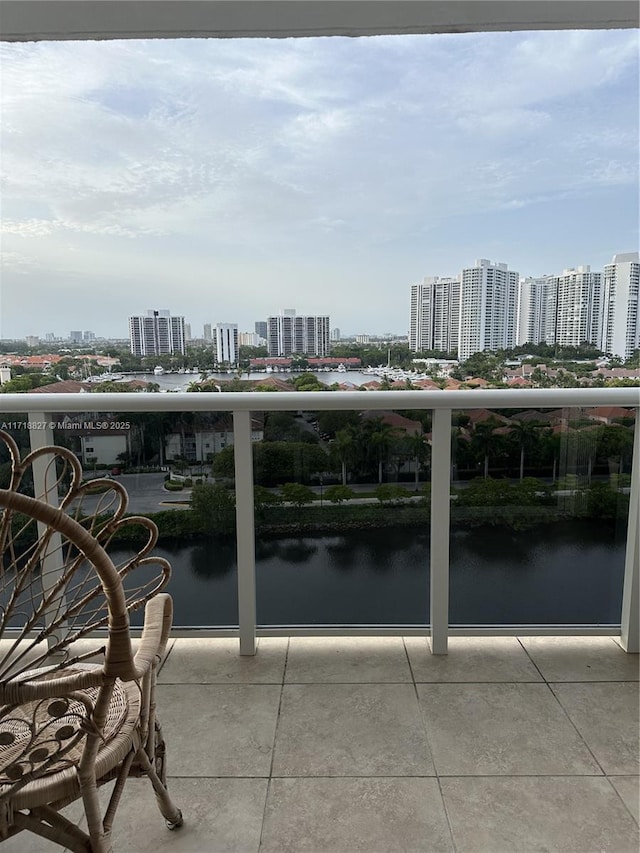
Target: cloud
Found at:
314, 160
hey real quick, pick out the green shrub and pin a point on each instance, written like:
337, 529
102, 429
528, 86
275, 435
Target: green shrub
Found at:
170, 486
389, 494
339, 494
187, 482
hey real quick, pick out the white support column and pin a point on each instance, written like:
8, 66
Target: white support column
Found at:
245, 536
45, 489
630, 631
440, 520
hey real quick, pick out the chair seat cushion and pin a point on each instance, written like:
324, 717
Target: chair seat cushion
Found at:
43, 740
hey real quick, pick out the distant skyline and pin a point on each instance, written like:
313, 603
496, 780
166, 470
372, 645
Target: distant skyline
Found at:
227, 180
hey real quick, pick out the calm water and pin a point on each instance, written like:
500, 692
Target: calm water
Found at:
179, 381
571, 574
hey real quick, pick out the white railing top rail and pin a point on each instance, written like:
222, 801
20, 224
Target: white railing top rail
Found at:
511, 398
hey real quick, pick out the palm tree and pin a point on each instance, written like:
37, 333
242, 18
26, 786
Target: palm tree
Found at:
344, 446
379, 437
523, 433
421, 451
486, 443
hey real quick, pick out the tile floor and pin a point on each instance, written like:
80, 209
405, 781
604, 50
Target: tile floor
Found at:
345, 745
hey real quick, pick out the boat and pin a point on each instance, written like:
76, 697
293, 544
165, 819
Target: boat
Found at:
158, 370
341, 368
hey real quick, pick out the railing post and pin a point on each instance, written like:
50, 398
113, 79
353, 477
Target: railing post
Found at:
629, 629
440, 520
245, 536
45, 489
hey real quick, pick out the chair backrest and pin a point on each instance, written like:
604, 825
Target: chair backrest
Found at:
58, 584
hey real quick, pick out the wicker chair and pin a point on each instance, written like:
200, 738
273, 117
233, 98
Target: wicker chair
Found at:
76, 711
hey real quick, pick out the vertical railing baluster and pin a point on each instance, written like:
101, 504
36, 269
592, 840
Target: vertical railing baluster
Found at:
440, 520
245, 536
630, 617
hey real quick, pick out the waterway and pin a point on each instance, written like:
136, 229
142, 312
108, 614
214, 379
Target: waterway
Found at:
570, 576
180, 381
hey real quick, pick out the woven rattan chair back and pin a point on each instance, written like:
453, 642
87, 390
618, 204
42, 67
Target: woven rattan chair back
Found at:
66, 654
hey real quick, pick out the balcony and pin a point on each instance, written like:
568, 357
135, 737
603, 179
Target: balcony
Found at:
333, 745
445, 734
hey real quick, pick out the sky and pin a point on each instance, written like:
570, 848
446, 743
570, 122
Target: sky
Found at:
226, 180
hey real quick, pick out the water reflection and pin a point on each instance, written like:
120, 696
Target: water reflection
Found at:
563, 573
212, 559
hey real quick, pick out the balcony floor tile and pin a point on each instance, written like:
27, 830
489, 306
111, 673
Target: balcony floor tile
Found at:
504, 729
352, 660
219, 729
629, 789
606, 715
355, 816
527, 814
221, 816
471, 659
217, 661
351, 730
259, 763
581, 659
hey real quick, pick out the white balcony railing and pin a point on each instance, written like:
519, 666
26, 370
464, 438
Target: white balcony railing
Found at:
39, 409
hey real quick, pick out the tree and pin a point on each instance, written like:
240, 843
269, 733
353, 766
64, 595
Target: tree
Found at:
343, 449
486, 443
524, 433
214, 508
421, 452
378, 438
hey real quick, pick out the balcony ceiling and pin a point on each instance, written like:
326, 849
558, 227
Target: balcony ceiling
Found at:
34, 20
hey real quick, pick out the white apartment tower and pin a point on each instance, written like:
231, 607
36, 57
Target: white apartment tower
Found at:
226, 335
621, 330
536, 318
288, 334
156, 333
435, 314
578, 312
488, 297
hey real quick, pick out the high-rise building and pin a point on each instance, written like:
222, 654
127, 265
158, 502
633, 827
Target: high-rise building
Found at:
187, 331
621, 330
207, 332
226, 343
261, 329
488, 297
536, 318
75, 337
156, 333
288, 334
250, 339
335, 334
578, 310
88, 336
435, 314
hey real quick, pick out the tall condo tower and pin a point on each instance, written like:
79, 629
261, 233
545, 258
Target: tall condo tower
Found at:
288, 334
488, 297
435, 314
156, 333
536, 317
579, 307
621, 330
227, 343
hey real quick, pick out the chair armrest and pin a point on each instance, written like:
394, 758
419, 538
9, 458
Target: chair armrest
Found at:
158, 616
